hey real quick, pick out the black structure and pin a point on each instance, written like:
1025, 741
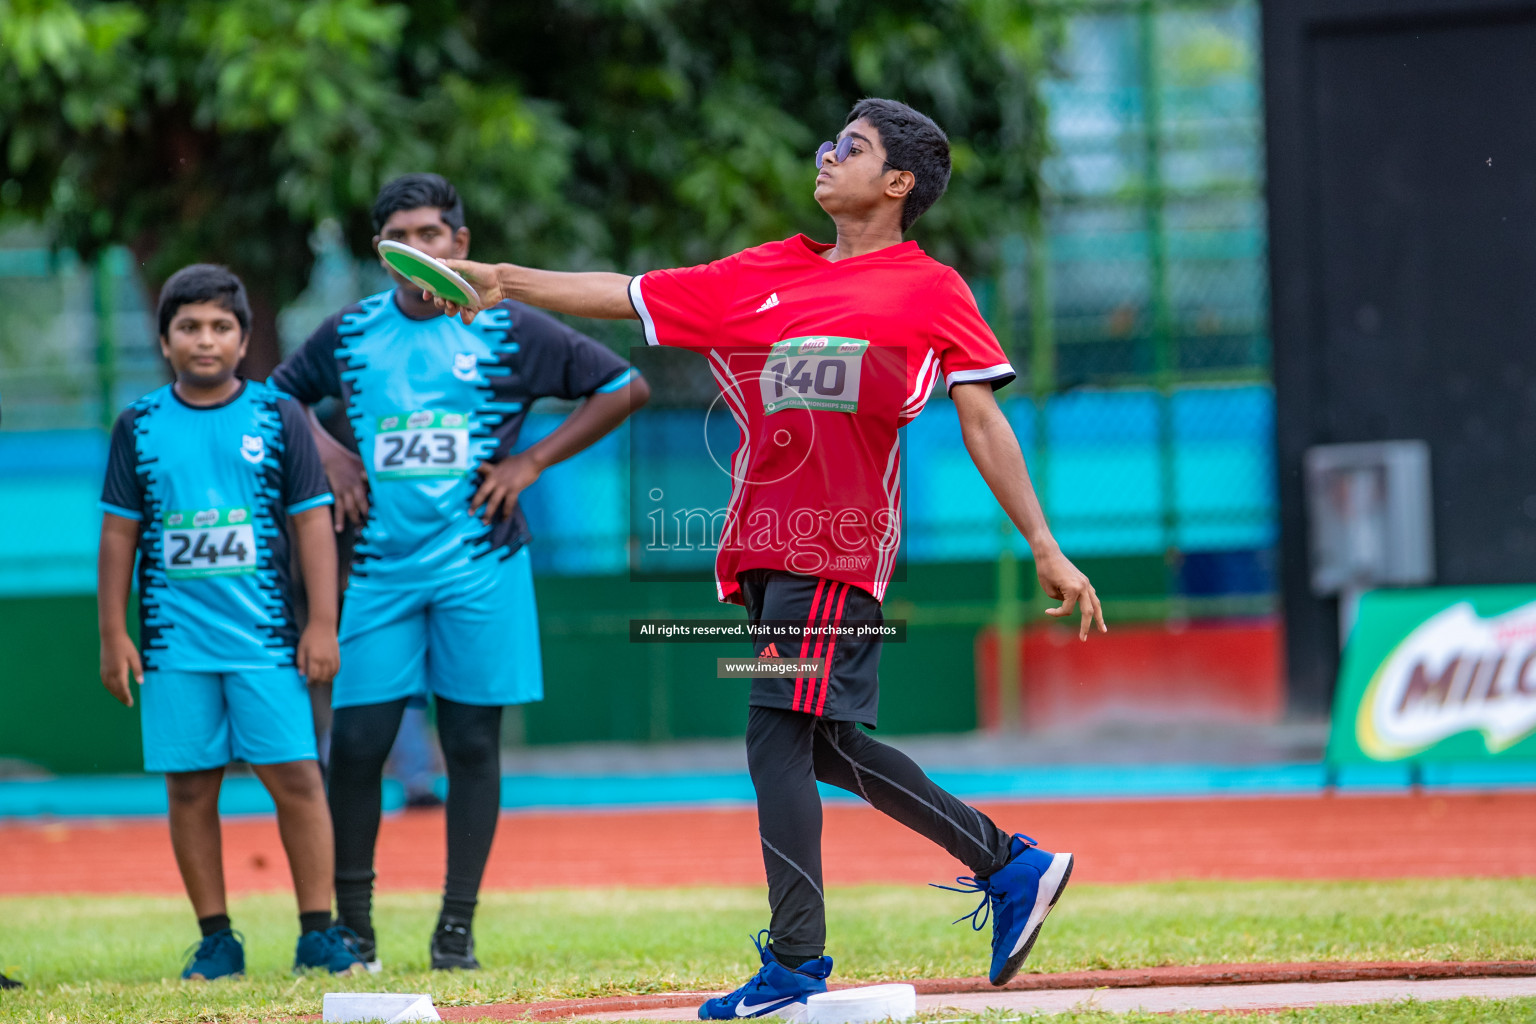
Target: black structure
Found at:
1402, 199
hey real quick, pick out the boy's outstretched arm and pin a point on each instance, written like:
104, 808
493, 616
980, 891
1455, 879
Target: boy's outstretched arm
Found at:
501, 482
317, 656
598, 295
114, 582
993, 447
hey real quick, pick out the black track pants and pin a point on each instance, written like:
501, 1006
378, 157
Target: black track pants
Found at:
470, 735
787, 753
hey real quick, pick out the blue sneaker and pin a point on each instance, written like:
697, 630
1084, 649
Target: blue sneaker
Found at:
1017, 896
330, 949
220, 955
774, 990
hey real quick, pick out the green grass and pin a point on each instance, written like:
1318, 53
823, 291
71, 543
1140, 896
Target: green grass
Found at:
117, 958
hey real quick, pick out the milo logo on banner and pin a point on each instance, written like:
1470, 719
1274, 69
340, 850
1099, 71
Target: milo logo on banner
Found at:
1439, 675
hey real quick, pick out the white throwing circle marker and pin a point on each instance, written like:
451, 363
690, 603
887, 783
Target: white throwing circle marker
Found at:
391, 1007
862, 1005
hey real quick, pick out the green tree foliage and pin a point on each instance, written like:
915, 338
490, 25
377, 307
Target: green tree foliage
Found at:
583, 133
698, 120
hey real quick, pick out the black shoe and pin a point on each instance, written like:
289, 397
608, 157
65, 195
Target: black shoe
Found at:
453, 946
10, 983
366, 950
424, 801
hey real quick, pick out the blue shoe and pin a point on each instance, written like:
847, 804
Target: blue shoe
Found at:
330, 949
774, 990
1017, 896
220, 955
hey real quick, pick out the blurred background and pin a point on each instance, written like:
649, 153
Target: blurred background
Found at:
1212, 237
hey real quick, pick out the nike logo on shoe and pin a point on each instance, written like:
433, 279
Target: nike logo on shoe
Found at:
769, 303
745, 1009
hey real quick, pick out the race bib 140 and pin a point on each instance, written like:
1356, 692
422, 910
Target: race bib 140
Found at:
209, 542
421, 444
813, 373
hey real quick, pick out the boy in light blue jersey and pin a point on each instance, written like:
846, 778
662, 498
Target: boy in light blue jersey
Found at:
208, 480
440, 597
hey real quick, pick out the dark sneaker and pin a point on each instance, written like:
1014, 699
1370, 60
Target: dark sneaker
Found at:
453, 946
775, 990
6, 983
1017, 896
366, 950
220, 955
329, 950
424, 800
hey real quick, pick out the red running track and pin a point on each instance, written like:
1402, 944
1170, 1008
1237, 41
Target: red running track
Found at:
1409, 835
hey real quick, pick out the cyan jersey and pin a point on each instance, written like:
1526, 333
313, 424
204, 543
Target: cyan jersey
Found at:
213, 487
429, 401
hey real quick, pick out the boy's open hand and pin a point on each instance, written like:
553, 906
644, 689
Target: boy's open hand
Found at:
482, 278
119, 660
501, 483
1062, 581
317, 657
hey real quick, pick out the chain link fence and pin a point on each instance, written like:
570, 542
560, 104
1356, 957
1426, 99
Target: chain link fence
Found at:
1137, 304
1136, 311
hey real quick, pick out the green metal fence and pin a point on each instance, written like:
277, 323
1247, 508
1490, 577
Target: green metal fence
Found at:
1146, 266
76, 340
1139, 283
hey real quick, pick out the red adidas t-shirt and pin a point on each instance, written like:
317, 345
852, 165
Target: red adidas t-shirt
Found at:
820, 363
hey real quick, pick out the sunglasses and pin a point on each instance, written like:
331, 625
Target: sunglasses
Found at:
840, 150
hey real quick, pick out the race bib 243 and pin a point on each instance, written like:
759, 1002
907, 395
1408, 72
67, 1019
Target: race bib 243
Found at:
421, 444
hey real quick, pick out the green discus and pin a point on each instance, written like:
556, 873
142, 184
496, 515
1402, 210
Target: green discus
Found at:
428, 273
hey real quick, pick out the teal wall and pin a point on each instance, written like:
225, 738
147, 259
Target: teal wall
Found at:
1100, 478
599, 686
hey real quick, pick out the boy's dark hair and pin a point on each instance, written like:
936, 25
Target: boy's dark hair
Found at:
203, 282
912, 143
412, 192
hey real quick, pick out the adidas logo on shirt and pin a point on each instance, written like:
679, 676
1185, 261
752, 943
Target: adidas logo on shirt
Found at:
771, 651
769, 303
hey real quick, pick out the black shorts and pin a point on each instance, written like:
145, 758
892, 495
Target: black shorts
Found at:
849, 689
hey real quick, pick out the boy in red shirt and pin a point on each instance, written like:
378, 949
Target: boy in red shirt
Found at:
822, 352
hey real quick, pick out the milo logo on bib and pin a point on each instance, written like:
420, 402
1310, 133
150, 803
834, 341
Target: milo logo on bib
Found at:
209, 542
813, 373
424, 443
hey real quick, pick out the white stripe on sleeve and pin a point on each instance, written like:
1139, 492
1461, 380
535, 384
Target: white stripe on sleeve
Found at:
638, 301
977, 376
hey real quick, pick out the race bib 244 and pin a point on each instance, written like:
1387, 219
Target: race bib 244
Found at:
209, 542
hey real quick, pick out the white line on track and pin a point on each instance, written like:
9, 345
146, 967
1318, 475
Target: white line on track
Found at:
1186, 997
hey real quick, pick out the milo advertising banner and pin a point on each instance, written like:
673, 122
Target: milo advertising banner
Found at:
1438, 675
